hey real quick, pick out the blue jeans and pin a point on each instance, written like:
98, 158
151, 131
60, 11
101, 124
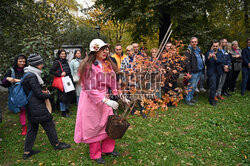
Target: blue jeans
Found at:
245, 77
64, 106
193, 81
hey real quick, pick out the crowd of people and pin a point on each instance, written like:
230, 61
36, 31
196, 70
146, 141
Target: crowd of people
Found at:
221, 64
95, 76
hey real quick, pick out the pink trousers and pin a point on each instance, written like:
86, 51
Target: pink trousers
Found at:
22, 116
97, 148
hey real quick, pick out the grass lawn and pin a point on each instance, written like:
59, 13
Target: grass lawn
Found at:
199, 135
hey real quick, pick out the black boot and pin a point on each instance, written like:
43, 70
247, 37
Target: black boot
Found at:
115, 154
64, 114
100, 160
62, 146
67, 113
32, 152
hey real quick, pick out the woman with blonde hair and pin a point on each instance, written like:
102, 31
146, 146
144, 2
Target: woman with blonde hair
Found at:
236, 64
225, 88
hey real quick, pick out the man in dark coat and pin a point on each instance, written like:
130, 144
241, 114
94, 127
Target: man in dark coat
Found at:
214, 60
245, 67
37, 111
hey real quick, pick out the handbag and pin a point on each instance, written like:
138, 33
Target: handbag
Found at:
67, 84
57, 81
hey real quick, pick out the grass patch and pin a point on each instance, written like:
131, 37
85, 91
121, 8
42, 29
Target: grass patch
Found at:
199, 135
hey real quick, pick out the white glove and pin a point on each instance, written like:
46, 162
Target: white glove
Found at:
113, 104
124, 99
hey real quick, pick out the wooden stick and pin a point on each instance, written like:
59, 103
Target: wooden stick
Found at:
130, 110
164, 39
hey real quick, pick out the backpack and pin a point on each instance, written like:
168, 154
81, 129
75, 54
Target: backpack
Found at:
17, 97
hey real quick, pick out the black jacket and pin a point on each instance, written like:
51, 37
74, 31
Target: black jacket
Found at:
245, 57
56, 68
191, 66
37, 111
57, 71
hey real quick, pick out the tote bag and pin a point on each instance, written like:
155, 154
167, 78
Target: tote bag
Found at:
57, 81
67, 84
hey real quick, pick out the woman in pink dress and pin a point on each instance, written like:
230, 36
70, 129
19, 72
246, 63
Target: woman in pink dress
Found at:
96, 76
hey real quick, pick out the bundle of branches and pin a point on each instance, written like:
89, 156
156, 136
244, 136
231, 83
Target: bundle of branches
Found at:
144, 80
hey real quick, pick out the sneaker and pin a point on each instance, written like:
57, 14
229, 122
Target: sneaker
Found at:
203, 90
189, 103
194, 101
100, 160
220, 97
32, 152
24, 130
197, 90
62, 146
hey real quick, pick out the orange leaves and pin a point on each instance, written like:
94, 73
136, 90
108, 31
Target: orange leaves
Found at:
144, 80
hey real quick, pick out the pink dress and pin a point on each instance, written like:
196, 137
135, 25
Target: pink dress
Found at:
92, 113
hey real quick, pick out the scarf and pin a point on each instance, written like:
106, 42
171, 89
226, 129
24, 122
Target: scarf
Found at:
236, 50
36, 71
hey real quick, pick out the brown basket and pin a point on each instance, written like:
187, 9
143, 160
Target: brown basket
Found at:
116, 127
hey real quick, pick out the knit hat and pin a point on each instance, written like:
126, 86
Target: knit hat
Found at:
35, 60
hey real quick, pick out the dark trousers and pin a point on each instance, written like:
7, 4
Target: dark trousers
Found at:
226, 85
50, 130
235, 75
245, 77
212, 79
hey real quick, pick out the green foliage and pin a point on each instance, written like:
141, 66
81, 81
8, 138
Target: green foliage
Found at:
81, 35
206, 19
26, 20
43, 45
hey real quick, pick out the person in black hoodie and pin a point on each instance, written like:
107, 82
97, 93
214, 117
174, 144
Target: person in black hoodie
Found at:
9, 79
37, 112
60, 68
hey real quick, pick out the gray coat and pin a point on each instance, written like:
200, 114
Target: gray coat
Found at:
74, 65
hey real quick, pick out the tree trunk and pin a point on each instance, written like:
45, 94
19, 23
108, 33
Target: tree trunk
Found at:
246, 16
